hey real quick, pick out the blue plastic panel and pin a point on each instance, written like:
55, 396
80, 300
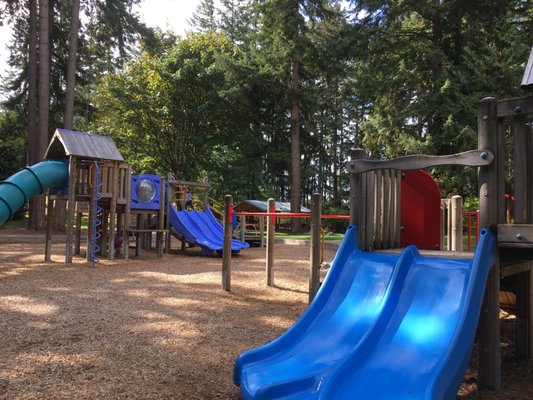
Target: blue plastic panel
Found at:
137, 186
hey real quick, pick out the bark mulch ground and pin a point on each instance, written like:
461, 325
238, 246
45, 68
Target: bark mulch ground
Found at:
156, 328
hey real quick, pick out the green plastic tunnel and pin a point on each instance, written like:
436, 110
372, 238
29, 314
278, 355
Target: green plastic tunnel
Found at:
16, 190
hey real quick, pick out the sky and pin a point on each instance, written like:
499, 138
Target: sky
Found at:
165, 14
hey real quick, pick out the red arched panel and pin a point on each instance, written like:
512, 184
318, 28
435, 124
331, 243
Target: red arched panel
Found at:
420, 210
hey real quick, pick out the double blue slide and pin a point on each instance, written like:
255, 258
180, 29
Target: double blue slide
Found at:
382, 326
203, 229
16, 190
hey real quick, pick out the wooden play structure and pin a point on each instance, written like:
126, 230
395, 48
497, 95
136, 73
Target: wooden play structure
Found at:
98, 187
499, 122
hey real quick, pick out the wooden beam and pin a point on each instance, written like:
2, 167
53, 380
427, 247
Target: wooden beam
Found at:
472, 158
515, 235
513, 268
489, 365
516, 106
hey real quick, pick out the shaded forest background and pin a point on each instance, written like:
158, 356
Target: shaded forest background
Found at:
265, 98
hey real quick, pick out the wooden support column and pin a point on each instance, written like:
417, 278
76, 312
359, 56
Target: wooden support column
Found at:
271, 233
228, 236
489, 364
77, 243
161, 221
456, 218
169, 197
91, 245
49, 221
314, 267
127, 215
529, 135
262, 231
113, 210
356, 197
72, 173
397, 208
104, 225
521, 211
369, 179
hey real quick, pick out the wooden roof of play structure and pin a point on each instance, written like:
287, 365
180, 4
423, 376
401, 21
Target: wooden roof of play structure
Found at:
67, 143
261, 206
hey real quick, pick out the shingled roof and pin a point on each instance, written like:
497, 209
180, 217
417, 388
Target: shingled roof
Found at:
67, 143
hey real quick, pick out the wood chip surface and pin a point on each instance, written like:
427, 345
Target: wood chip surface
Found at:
154, 328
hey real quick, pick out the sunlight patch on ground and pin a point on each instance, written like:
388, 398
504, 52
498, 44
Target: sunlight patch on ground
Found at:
26, 305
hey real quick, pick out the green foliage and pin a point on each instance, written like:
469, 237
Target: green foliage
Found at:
12, 144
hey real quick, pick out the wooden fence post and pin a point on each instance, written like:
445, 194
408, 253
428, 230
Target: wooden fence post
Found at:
228, 235
314, 268
456, 229
271, 231
489, 364
356, 199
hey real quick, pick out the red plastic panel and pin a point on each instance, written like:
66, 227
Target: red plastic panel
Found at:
420, 210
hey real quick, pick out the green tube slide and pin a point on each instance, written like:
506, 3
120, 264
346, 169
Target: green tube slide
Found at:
16, 190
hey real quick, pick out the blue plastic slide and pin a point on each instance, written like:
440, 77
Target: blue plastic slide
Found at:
202, 229
16, 190
381, 327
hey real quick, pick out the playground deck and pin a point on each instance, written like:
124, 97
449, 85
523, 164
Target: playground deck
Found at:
158, 329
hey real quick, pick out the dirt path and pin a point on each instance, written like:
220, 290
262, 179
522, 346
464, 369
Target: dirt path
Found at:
150, 328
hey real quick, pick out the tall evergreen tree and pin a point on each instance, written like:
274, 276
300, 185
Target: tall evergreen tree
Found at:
204, 18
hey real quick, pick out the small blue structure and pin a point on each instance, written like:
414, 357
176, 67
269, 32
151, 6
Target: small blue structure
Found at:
145, 192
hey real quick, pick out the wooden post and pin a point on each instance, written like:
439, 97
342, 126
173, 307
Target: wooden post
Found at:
387, 205
127, 215
161, 221
398, 208
70, 207
356, 198
442, 224
521, 208
77, 244
314, 268
262, 231
489, 364
271, 232
456, 231
228, 235
369, 209
49, 220
378, 206
170, 196
529, 135
104, 227
113, 211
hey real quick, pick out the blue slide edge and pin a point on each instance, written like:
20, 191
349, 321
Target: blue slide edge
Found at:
19, 188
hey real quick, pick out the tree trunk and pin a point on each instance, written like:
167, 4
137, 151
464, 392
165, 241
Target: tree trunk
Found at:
37, 219
33, 155
71, 67
60, 211
296, 195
